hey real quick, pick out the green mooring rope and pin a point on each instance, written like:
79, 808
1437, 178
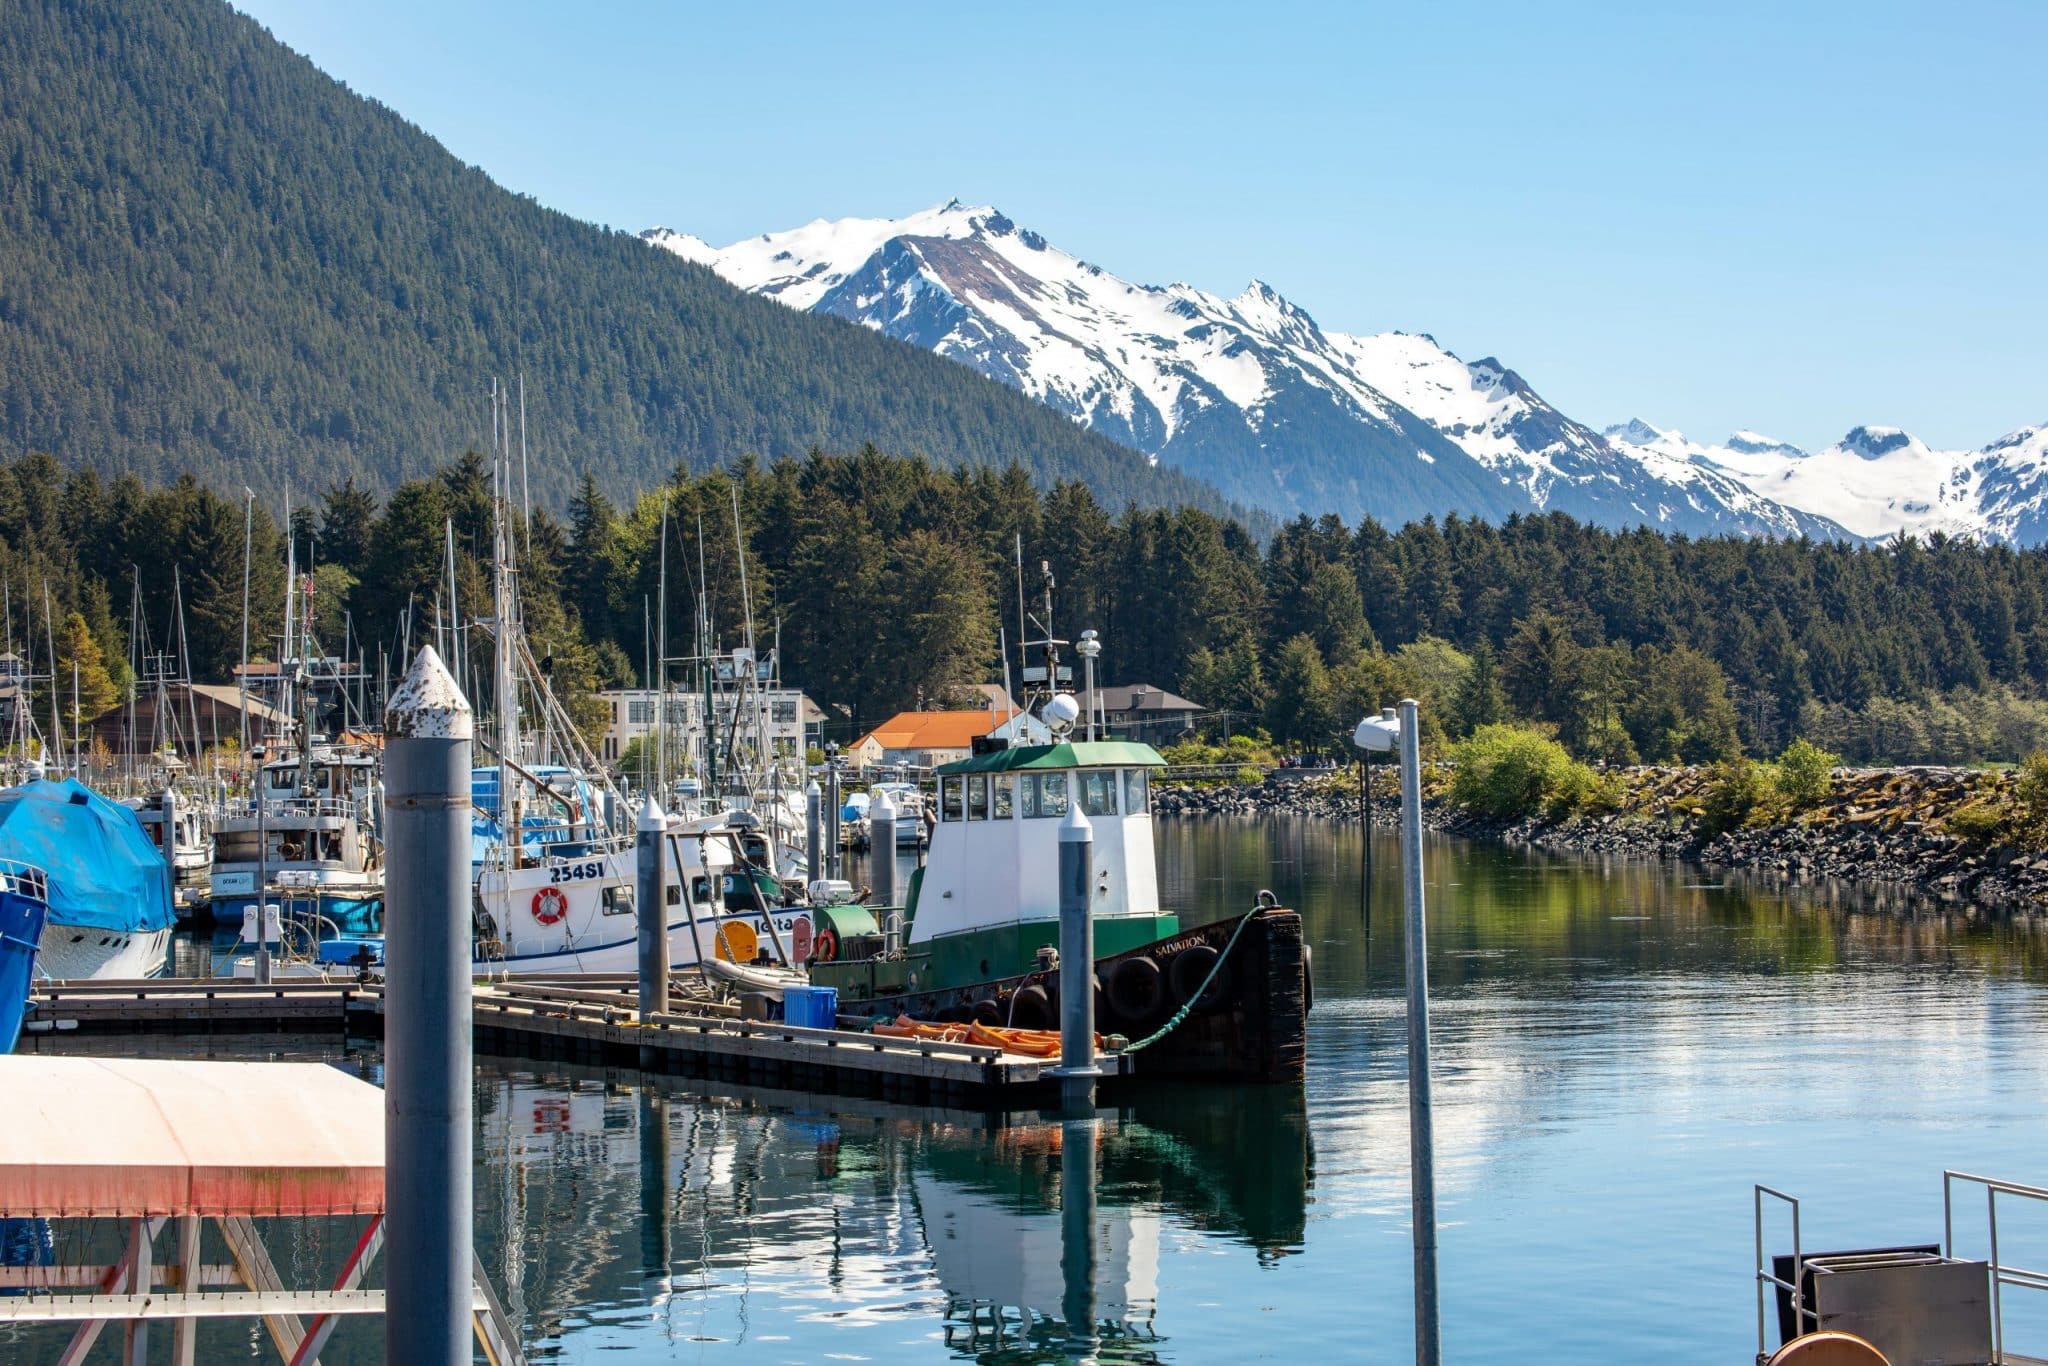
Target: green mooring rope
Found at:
1179, 1015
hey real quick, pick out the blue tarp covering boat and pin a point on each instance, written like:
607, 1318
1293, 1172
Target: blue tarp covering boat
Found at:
104, 872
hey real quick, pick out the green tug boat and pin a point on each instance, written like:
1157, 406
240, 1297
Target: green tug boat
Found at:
978, 935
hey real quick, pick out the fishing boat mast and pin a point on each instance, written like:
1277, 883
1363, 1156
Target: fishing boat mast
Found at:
509, 814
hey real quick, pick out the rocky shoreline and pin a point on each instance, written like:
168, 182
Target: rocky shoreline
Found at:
1883, 826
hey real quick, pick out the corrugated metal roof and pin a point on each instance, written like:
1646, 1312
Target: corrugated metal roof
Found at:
130, 1137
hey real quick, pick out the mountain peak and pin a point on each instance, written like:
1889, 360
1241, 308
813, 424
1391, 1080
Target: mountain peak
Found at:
1634, 432
1874, 443
1756, 443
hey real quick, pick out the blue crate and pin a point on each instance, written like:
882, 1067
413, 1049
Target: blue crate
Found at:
811, 1007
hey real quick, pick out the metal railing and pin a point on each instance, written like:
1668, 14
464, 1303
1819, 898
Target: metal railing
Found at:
24, 879
1765, 1276
2002, 1275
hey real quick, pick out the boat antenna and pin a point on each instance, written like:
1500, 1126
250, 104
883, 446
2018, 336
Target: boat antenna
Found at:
1023, 627
1003, 649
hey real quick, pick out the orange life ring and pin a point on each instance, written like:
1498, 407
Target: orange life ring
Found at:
549, 905
824, 946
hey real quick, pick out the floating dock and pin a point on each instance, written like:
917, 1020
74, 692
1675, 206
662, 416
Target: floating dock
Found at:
590, 1019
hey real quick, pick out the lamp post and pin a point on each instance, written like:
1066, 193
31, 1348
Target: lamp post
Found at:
1392, 731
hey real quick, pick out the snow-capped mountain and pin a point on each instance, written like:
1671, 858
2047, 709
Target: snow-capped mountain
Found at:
1253, 395
1880, 481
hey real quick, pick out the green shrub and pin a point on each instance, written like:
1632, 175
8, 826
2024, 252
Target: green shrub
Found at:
1805, 774
1739, 792
1979, 822
1510, 772
2030, 801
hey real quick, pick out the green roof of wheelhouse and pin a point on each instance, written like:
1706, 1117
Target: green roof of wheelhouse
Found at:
1079, 754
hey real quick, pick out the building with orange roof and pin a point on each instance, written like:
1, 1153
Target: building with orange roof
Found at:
922, 739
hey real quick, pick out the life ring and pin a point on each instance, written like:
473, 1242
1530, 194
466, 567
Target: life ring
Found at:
824, 946
550, 905
1189, 969
1136, 988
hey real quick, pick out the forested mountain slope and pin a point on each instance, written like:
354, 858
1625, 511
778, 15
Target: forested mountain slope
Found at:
214, 258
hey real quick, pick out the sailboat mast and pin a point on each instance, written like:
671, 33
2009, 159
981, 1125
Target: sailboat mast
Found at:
509, 813
134, 660
55, 743
661, 737
242, 675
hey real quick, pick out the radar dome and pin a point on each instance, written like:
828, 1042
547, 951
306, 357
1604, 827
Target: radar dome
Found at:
1061, 713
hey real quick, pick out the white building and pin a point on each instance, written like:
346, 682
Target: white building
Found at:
791, 718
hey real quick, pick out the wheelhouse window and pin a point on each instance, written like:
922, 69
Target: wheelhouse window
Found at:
949, 799
1002, 789
1098, 792
977, 797
1137, 792
1045, 794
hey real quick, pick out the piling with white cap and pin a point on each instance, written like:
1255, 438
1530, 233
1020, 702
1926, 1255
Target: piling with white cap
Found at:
882, 854
1077, 1069
650, 904
814, 828
429, 1253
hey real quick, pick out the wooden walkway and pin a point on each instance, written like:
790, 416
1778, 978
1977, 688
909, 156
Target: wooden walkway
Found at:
589, 1019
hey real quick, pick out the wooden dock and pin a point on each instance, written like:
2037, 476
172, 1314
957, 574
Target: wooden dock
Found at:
590, 1019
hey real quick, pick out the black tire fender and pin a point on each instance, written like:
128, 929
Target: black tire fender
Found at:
1188, 970
1136, 989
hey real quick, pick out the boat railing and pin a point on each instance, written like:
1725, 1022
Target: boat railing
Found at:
24, 879
2003, 1273
342, 807
1766, 1277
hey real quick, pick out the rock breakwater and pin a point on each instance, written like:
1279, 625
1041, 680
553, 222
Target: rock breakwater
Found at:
1937, 830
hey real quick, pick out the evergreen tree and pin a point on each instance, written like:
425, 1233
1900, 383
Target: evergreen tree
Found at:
1478, 700
1301, 709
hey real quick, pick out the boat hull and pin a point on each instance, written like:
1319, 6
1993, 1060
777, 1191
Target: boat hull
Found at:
1249, 1027
74, 953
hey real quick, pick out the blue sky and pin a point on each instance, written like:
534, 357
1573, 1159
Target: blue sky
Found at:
1791, 217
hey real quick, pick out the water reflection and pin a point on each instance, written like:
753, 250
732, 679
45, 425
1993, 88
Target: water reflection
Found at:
612, 1205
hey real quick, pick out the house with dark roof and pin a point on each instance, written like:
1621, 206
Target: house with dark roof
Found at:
1140, 712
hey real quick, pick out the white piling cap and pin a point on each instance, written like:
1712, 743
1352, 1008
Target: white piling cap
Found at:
813, 790
882, 809
652, 817
1076, 829
427, 705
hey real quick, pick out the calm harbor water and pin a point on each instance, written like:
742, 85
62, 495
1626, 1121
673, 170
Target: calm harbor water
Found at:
1620, 1050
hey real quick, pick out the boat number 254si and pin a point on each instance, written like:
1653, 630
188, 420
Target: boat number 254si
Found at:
574, 872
